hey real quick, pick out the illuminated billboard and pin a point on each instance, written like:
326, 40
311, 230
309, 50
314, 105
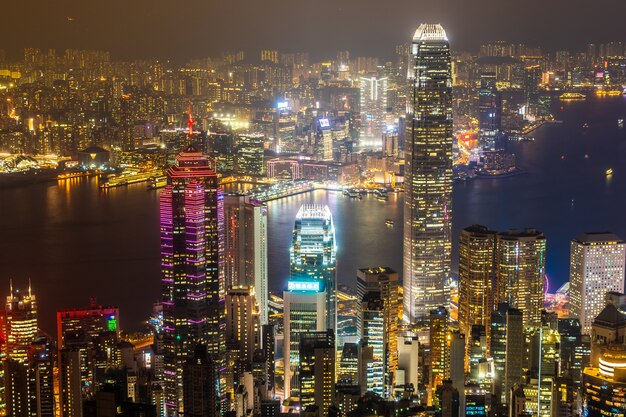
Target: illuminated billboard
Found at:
309, 286
324, 123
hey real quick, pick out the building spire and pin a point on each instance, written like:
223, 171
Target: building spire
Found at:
29, 288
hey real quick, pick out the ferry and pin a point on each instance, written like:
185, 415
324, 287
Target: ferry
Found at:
572, 96
389, 223
68, 175
609, 171
382, 197
159, 181
620, 123
352, 193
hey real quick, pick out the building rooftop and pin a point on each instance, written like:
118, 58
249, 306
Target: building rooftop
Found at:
430, 32
598, 237
610, 316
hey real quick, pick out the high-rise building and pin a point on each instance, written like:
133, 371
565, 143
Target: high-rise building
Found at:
597, 265
40, 381
373, 105
304, 311
314, 254
201, 392
245, 242
21, 324
192, 222
428, 182
317, 371
93, 332
250, 154
70, 381
439, 347
514, 359
373, 336
384, 280
489, 112
242, 321
520, 272
477, 248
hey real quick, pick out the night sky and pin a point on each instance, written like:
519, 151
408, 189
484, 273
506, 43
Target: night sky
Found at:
182, 29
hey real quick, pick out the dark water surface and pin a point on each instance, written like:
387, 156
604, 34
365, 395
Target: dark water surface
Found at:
76, 242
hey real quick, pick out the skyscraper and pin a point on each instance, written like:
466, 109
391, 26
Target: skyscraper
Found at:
384, 282
439, 347
477, 246
373, 105
489, 112
21, 324
242, 322
304, 311
428, 183
520, 272
192, 221
317, 370
597, 265
245, 259
313, 254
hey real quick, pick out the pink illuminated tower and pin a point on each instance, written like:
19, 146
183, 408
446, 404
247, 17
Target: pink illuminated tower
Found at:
192, 223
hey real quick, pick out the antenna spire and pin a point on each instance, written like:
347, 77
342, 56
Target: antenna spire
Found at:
190, 121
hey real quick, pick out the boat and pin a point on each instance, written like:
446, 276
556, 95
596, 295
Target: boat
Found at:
156, 182
572, 96
389, 223
609, 171
382, 197
620, 123
585, 125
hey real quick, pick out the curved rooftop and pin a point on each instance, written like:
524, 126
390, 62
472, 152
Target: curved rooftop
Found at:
430, 32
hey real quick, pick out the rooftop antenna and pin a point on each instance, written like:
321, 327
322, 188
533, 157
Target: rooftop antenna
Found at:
29, 289
11, 286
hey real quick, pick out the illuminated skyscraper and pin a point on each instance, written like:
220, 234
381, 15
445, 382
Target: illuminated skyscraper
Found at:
313, 254
373, 336
242, 321
373, 105
489, 112
21, 322
192, 222
317, 371
477, 246
520, 272
384, 282
304, 311
245, 260
597, 266
439, 347
428, 183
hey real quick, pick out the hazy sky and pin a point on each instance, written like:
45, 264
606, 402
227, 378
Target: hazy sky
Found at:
181, 29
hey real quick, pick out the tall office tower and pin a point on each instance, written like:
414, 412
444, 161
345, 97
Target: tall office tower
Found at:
250, 154
408, 373
514, 360
242, 322
604, 382
94, 332
532, 78
192, 221
574, 349
304, 311
41, 374
70, 383
373, 105
489, 112
497, 348
597, 265
348, 370
245, 242
385, 281
439, 347
21, 324
477, 248
16, 388
520, 272
317, 370
314, 252
428, 183
269, 350
201, 391
372, 335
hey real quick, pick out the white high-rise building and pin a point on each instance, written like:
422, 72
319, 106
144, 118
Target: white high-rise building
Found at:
597, 264
373, 106
304, 311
